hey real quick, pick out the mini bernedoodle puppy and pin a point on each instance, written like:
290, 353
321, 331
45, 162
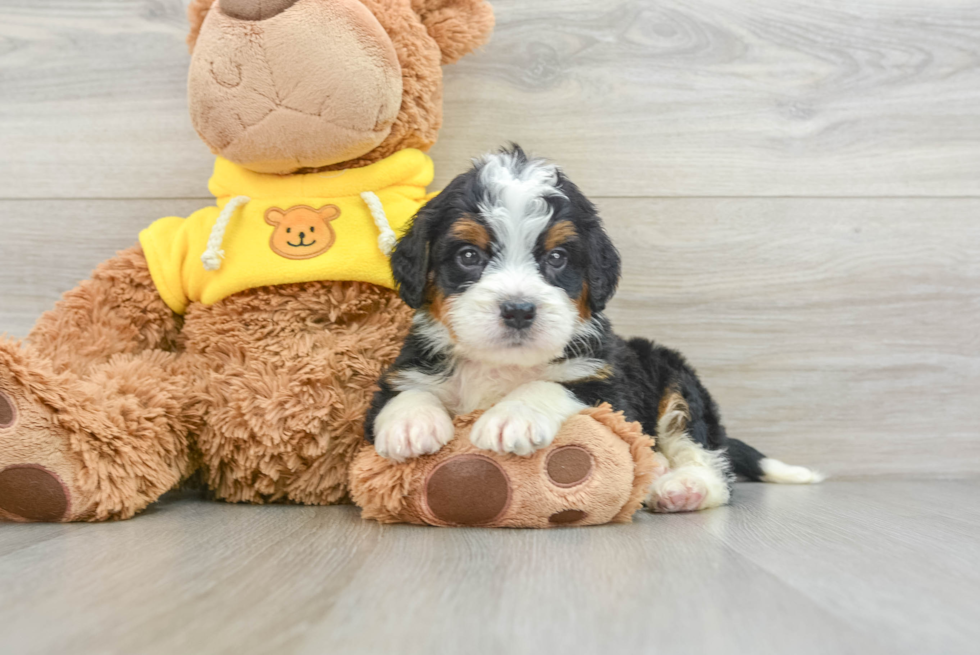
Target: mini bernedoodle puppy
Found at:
509, 269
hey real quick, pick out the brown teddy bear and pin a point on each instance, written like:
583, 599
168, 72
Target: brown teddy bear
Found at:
215, 345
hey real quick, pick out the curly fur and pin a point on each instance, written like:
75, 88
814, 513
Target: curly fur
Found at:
283, 395
458, 26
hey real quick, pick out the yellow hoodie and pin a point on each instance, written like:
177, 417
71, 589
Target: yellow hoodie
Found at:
283, 229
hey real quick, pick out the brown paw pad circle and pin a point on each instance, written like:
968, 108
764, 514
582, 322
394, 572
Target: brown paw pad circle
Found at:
8, 411
468, 490
569, 466
32, 492
567, 516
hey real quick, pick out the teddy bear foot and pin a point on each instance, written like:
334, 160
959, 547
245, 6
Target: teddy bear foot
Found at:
36, 471
597, 470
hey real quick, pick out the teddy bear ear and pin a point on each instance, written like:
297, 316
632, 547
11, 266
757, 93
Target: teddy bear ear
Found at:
196, 11
274, 216
328, 212
458, 26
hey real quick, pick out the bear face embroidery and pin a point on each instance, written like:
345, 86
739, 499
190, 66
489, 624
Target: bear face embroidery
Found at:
302, 232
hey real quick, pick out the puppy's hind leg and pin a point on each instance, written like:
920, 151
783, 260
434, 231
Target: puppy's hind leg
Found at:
698, 478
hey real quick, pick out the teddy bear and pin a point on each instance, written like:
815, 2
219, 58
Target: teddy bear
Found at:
244, 341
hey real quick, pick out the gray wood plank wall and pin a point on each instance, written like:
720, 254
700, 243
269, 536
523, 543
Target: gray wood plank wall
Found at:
795, 187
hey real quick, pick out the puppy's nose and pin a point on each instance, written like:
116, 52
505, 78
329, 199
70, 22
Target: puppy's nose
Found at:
255, 9
302, 235
518, 315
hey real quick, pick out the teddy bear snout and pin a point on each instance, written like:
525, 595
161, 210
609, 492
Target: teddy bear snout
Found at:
254, 9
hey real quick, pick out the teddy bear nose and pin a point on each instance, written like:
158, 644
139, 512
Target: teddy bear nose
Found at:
255, 9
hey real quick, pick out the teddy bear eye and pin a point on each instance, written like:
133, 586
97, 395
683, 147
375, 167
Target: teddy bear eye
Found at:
289, 230
312, 229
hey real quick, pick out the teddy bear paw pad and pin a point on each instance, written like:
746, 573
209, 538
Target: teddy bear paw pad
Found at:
8, 411
569, 466
33, 493
567, 516
468, 490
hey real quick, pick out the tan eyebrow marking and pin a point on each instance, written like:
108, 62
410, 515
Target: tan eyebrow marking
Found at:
559, 233
437, 305
469, 230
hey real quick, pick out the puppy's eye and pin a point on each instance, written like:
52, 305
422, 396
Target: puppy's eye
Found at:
312, 229
289, 230
557, 258
469, 258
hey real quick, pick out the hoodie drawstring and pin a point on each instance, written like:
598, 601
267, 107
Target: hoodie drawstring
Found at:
387, 238
214, 254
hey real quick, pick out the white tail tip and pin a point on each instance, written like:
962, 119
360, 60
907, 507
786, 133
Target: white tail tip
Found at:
781, 473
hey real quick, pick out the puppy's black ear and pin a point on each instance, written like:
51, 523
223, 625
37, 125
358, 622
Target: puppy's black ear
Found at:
604, 267
603, 264
410, 259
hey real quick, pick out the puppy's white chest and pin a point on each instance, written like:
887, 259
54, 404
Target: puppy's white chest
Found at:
474, 385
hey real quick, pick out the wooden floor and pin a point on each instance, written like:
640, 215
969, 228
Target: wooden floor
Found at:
846, 567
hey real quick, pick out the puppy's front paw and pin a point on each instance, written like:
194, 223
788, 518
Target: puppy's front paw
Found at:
513, 427
408, 432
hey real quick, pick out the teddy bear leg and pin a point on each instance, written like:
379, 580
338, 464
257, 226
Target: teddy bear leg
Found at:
92, 420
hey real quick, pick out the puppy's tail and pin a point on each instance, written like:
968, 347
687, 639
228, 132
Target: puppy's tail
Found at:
750, 463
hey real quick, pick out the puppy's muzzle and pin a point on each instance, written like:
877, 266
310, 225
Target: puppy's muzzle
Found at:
518, 315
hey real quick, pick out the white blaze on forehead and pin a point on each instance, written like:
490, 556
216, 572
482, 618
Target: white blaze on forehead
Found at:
515, 203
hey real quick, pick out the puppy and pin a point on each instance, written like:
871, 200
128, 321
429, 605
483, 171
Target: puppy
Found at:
509, 269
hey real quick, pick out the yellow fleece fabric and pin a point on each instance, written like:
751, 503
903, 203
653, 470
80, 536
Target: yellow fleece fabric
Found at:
256, 256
